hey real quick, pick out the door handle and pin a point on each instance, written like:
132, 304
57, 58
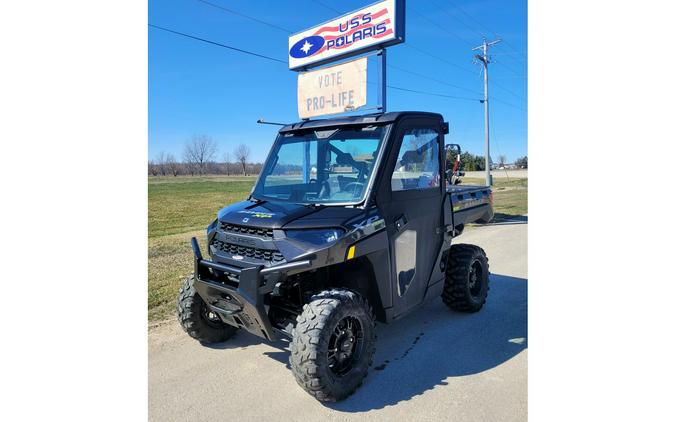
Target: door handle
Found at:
400, 223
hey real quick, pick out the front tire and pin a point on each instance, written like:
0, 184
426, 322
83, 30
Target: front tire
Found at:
466, 279
197, 319
333, 344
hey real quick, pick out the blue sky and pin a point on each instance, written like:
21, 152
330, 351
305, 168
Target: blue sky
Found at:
197, 88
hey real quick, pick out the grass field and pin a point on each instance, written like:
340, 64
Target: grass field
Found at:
510, 196
182, 207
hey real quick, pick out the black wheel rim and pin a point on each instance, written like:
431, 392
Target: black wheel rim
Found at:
211, 318
476, 279
345, 346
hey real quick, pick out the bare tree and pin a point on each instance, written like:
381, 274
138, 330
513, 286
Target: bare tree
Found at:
227, 160
198, 152
152, 168
161, 163
241, 153
502, 160
172, 165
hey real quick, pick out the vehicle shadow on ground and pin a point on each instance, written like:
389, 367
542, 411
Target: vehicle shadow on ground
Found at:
502, 219
422, 350
242, 340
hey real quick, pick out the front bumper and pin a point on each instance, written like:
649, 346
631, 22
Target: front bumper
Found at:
237, 294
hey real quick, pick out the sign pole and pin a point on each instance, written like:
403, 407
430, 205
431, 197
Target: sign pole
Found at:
383, 80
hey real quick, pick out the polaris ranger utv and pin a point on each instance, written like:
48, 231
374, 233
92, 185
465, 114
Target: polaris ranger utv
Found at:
350, 221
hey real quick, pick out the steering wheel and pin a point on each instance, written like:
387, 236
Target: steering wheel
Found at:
356, 185
324, 192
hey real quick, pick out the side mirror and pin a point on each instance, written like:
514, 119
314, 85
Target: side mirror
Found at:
452, 154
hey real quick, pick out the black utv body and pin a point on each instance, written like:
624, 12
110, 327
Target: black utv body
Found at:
350, 221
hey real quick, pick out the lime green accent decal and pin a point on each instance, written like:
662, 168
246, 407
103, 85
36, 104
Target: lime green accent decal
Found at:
257, 214
379, 224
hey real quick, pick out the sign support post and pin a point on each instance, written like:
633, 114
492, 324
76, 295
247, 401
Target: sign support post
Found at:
383, 80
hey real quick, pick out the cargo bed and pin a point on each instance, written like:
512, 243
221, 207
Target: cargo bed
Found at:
469, 204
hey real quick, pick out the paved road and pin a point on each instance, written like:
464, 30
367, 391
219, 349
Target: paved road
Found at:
434, 365
499, 174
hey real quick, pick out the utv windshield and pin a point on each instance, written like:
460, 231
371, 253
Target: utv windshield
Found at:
322, 166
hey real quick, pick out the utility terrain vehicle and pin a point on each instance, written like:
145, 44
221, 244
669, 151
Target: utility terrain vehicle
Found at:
350, 221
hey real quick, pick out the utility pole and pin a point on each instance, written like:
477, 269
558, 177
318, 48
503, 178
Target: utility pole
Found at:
486, 60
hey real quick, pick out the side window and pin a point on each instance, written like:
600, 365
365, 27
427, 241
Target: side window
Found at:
417, 163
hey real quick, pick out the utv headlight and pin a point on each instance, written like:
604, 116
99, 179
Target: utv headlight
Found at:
316, 237
211, 227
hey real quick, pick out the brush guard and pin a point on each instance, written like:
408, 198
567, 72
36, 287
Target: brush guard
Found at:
237, 294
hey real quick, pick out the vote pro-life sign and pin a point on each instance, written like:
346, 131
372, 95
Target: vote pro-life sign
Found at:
343, 88
333, 89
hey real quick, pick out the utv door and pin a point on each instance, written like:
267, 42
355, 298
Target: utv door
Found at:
410, 198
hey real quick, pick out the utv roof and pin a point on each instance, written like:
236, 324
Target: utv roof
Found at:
380, 118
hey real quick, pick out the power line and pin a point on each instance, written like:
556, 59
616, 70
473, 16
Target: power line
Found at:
480, 35
511, 77
508, 104
337, 11
503, 88
282, 61
514, 49
409, 45
511, 58
218, 44
432, 93
510, 69
406, 44
327, 6
482, 26
517, 53
456, 35
234, 12
439, 58
471, 17
432, 79
442, 28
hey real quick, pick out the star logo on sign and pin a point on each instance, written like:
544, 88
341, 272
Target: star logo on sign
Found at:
306, 46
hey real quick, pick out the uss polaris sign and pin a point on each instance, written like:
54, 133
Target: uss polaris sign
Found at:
376, 26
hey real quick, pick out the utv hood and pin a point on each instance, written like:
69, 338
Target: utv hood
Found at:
275, 215
263, 214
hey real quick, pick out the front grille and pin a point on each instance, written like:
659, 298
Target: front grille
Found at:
255, 231
271, 255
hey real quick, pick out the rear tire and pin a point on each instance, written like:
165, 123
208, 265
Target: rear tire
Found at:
466, 279
333, 344
196, 318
